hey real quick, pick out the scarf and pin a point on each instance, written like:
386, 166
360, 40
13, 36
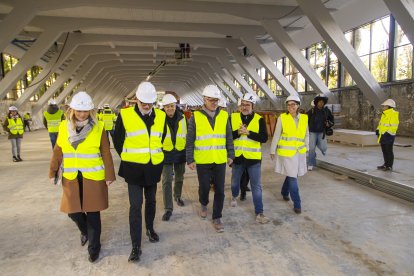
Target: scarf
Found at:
78, 135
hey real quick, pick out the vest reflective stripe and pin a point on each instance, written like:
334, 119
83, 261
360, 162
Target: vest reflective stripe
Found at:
53, 120
180, 137
243, 145
108, 117
16, 127
210, 144
292, 139
139, 146
389, 122
86, 158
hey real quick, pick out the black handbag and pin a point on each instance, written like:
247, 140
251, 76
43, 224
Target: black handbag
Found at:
328, 125
328, 131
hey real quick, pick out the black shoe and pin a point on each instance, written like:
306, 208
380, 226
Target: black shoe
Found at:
152, 236
243, 196
93, 257
286, 198
15, 159
166, 216
84, 239
18, 157
297, 210
180, 202
382, 167
135, 253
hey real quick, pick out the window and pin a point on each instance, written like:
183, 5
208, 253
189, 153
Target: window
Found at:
403, 56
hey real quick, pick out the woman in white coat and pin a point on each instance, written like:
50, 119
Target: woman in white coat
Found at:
289, 146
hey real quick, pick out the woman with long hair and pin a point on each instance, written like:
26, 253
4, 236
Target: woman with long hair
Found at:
13, 124
82, 155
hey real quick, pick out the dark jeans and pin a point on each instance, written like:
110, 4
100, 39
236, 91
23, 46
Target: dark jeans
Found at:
135, 210
244, 182
205, 173
88, 223
387, 152
26, 124
290, 186
53, 138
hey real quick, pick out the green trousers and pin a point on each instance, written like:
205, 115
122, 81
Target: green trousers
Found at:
167, 178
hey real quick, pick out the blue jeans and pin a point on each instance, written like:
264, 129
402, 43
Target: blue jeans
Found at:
53, 138
290, 186
315, 140
255, 183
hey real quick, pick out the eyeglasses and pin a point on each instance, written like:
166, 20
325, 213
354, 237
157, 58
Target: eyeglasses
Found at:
147, 104
212, 100
245, 105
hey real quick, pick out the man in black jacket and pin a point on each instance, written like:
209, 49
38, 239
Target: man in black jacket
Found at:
138, 138
174, 155
320, 117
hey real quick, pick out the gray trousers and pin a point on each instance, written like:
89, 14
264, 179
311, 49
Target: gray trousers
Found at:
167, 178
16, 146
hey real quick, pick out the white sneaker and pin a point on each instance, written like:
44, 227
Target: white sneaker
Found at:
233, 202
310, 168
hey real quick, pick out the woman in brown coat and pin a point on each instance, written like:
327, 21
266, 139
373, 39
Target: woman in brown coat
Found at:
82, 155
14, 127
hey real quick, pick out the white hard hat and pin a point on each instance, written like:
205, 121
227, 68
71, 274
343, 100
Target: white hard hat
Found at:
313, 103
100, 107
249, 97
146, 92
52, 102
106, 105
12, 108
168, 99
239, 102
293, 98
389, 102
81, 101
211, 91
222, 103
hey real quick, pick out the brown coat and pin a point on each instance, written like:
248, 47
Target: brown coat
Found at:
95, 193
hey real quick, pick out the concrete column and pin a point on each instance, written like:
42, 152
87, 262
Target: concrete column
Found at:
217, 79
403, 11
34, 53
324, 23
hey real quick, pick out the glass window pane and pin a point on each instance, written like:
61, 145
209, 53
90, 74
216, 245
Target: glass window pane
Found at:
404, 62
400, 37
380, 34
348, 81
362, 40
333, 75
379, 66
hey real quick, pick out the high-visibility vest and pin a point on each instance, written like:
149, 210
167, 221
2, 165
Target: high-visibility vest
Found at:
16, 127
292, 139
86, 158
53, 120
108, 117
210, 144
179, 139
388, 123
140, 146
249, 148
26, 117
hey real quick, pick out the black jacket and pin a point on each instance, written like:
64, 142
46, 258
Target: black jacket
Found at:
261, 137
318, 117
134, 173
174, 156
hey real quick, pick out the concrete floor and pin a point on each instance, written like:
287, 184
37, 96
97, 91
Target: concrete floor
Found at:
345, 228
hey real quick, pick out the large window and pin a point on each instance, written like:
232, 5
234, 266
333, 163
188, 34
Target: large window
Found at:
403, 56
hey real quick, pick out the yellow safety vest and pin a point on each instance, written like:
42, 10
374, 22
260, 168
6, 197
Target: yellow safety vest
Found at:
86, 158
140, 146
16, 127
292, 139
249, 148
26, 117
210, 144
388, 123
108, 119
179, 139
53, 120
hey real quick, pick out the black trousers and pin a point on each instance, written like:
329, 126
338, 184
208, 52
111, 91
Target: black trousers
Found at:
26, 124
89, 223
388, 153
244, 181
135, 193
206, 173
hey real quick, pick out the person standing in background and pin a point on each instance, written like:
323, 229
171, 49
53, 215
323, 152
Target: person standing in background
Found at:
26, 121
51, 120
13, 124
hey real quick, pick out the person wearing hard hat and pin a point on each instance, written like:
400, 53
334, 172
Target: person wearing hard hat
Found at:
13, 125
139, 134
222, 104
209, 147
83, 158
108, 117
174, 155
249, 132
26, 121
51, 120
386, 131
320, 118
289, 145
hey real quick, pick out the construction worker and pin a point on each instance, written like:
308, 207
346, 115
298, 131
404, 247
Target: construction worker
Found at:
13, 125
51, 120
108, 117
82, 150
174, 155
139, 134
289, 145
386, 131
209, 147
249, 132
222, 104
26, 121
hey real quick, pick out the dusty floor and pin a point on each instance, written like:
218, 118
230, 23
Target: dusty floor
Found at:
345, 228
